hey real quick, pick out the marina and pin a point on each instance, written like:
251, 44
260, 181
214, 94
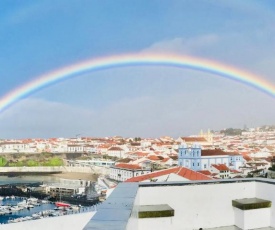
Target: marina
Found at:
41, 197
18, 209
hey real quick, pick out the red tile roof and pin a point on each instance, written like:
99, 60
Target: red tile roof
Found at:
124, 160
194, 139
234, 171
212, 152
139, 154
127, 166
153, 158
114, 148
165, 160
221, 167
181, 171
205, 172
103, 146
174, 157
233, 153
247, 158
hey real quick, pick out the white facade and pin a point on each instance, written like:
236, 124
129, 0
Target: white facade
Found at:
223, 174
206, 161
116, 152
122, 174
58, 148
195, 159
12, 147
87, 163
205, 205
145, 143
75, 148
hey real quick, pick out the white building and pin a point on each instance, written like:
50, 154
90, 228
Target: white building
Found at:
12, 147
88, 163
115, 151
197, 159
123, 171
221, 170
73, 148
224, 204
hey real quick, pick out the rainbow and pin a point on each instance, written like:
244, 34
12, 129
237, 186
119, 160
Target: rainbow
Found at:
172, 60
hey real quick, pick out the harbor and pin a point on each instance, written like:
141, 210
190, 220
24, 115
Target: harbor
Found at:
40, 197
18, 209
27, 198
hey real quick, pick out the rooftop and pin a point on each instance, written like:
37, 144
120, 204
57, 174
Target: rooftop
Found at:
181, 171
195, 205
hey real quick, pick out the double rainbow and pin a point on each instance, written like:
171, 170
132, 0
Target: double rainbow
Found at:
108, 62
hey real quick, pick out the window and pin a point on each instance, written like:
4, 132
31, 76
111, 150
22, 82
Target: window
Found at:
204, 166
193, 164
198, 164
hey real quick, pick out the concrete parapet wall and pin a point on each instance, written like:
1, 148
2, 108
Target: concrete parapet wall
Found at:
55, 169
92, 169
30, 169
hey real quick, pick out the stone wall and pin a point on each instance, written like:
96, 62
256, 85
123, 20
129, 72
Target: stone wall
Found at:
55, 169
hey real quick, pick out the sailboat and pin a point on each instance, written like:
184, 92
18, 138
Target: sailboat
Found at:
60, 203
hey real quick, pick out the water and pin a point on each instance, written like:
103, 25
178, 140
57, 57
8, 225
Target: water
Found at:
28, 212
25, 212
22, 213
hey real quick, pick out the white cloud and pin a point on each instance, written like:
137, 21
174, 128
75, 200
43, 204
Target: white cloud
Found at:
181, 45
149, 116
33, 117
250, 51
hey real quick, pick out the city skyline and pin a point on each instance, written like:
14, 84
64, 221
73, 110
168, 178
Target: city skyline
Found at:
149, 101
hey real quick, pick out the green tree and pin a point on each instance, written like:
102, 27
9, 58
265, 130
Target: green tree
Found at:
32, 163
3, 161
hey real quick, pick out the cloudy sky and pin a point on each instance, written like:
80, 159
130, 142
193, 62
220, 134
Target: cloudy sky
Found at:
150, 101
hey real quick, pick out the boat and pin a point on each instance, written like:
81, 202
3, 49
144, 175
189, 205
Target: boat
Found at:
62, 204
44, 201
22, 203
32, 200
75, 207
30, 206
15, 208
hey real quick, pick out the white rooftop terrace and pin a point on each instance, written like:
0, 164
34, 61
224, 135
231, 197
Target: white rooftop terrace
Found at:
189, 205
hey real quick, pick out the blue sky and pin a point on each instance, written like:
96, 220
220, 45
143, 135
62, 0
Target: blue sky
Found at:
40, 36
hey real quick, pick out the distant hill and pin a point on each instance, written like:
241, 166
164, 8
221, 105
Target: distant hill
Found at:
232, 132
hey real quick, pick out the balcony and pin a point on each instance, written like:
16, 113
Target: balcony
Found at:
189, 205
